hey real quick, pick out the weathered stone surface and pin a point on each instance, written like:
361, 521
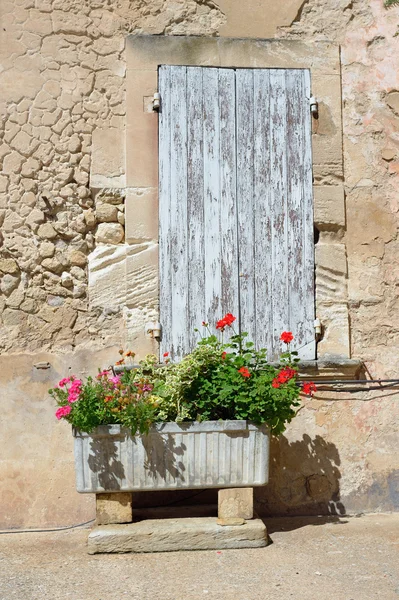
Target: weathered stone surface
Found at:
77, 258
106, 213
142, 276
237, 503
47, 231
113, 508
141, 209
107, 284
108, 158
9, 265
46, 249
331, 272
335, 322
169, 535
110, 233
392, 100
59, 88
8, 284
329, 205
230, 522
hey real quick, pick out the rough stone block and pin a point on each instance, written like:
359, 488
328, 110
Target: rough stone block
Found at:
108, 158
141, 131
331, 273
335, 322
237, 503
327, 129
141, 215
113, 508
142, 276
329, 205
107, 276
169, 535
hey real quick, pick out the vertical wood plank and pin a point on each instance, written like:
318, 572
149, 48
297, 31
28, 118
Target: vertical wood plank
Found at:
228, 205
165, 276
262, 209
245, 198
213, 288
295, 239
278, 206
178, 209
195, 204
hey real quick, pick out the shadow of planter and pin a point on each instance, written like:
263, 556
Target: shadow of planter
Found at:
304, 479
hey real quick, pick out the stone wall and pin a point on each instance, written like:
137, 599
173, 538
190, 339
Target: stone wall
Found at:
65, 194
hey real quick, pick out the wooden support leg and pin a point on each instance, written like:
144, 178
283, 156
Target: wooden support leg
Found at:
236, 503
114, 508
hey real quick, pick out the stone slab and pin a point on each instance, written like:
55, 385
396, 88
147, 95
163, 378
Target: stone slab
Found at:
170, 535
147, 52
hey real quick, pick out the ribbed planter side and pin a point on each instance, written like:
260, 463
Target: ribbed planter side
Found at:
184, 456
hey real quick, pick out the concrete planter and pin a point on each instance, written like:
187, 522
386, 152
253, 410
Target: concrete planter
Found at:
211, 454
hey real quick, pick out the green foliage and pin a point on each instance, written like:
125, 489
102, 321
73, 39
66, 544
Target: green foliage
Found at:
207, 384
218, 380
389, 3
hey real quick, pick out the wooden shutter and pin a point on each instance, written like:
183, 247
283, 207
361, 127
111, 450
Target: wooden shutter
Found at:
236, 215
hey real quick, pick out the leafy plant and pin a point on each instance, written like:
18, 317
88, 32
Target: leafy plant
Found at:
218, 380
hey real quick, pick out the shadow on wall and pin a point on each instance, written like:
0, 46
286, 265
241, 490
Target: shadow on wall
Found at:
304, 479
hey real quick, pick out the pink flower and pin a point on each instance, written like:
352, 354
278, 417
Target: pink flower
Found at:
63, 411
147, 388
115, 380
73, 397
74, 390
102, 374
63, 382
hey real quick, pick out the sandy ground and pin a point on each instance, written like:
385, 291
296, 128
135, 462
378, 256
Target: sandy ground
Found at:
314, 559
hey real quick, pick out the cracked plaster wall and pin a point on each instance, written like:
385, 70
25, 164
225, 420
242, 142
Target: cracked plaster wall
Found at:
62, 101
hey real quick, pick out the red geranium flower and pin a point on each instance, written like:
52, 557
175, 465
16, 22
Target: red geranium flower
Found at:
286, 337
165, 354
309, 388
285, 375
224, 355
227, 320
276, 383
244, 372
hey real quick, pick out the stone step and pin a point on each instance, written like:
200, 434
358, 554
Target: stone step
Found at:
170, 535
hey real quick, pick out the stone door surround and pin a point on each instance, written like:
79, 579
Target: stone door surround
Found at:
145, 53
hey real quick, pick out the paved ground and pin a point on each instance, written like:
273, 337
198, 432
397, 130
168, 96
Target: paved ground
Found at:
354, 559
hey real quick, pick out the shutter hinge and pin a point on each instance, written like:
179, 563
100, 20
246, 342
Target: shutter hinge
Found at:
153, 330
317, 328
156, 103
314, 106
